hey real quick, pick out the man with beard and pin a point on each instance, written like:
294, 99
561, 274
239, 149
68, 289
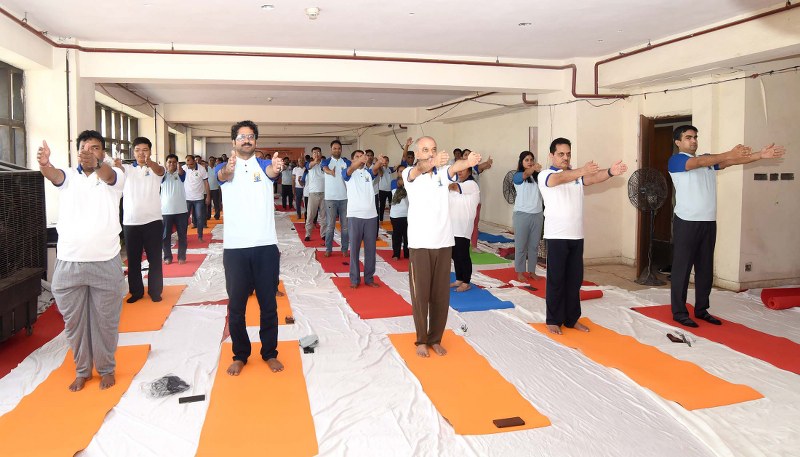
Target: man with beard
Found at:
250, 244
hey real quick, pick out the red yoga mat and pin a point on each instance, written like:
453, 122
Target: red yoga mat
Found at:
399, 265
176, 270
373, 302
316, 238
508, 274
781, 352
336, 263
15, 349
783, 298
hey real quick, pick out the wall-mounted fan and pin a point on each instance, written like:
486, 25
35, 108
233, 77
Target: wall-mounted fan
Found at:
647, 190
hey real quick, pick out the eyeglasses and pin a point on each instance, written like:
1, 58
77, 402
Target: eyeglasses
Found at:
242, 136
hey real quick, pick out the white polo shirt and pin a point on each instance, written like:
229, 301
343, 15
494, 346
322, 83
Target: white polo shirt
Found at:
193, 184
173, 195
315, 181
213, 184
141, 202
563, 207
249, 205
463, 206
695, 190
529, 199
360, 198
428, 209
334, 185
286, 177
399, 209
297, 174
88, 222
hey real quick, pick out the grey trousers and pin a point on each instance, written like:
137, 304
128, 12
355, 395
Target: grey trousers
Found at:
335, 208
89, 296
316, 203
527, 234
365, 230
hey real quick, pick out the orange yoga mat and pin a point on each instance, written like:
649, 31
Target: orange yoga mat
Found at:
399, 265
252, 314
145, 315
259, 413
373, 302
70, 419
508, 274
294, 218
672, 379
465, 389
783, 298
387, 225
781, 352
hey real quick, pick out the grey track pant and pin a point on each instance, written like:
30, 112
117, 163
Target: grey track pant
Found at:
89, 296
527, 234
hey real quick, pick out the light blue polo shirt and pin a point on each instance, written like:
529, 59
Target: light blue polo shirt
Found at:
360, 194
529, 199
695, 190
334, 185
173, 195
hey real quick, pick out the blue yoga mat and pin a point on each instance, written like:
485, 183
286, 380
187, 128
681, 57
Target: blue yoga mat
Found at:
489, 238
475, 299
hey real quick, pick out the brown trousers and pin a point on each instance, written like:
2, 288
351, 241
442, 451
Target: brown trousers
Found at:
429, 278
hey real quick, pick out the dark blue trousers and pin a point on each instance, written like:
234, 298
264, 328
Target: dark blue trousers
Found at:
564, 279
249, 269
693, 246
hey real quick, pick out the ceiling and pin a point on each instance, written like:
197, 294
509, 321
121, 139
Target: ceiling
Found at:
558, 30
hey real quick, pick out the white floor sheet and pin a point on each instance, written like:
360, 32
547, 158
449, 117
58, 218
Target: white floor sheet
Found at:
365, 402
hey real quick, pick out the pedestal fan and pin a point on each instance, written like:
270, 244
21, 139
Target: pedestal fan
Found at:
647, 190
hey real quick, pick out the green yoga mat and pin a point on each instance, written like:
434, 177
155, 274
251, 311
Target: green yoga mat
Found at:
486, 258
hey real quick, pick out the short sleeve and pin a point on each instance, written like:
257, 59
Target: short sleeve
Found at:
518, 178
677, 163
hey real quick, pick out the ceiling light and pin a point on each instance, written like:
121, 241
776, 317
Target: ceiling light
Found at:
411, 13
599, 41
524, 24
312, 12
268, 7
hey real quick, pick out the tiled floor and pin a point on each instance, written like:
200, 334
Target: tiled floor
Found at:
621, 276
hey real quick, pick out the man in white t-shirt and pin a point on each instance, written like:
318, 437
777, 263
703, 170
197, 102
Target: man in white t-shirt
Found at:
297, 180
141, 220
430, 239
173, 209
694, 225
562, 190
315, 184
336, 197
88, 283
250, 244
198, 194
362, 218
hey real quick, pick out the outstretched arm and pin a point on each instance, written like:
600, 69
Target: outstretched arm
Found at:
566, 176
50, 172
770, 151
602, 175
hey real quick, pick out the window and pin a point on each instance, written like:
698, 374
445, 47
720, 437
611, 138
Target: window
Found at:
12, 116
118, 129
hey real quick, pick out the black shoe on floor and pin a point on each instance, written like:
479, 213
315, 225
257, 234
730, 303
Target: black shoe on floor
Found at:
686, 322
710, 319
134, 299
308, 238
155, 299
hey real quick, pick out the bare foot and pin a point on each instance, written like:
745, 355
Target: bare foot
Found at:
107, 381
581, 327
554, 329
372, 284
354, 286
181, 262
327, 254
345, 253
521, 277
463, 287
438, 349
78, 384
422, 350
456, 283
167, 262
279, 294
535, 277
275, 365
235, 368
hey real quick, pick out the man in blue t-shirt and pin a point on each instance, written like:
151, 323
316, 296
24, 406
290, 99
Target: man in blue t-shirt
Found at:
694, 226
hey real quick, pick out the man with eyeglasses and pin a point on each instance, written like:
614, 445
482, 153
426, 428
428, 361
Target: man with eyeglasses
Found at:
430, 239
336, 197
362, 216
250, 244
